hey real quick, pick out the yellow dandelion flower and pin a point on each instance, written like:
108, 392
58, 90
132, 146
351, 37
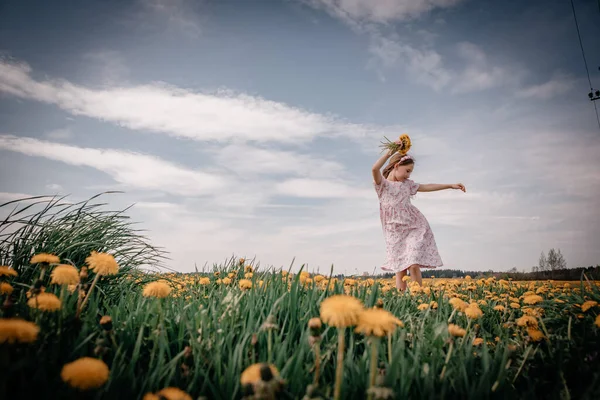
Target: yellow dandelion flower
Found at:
499, 308
314, 323
533, 299
433, 305
515, 305
405, 278
534, 312
13, 330
44, 258
252, 374
65, 274
423, 306
597, 322
205, 281
45, 302
248, 275
319, 278
5, 288
473, 312
85, 373
477, 341
157, 289
376, 322
226, 281
7, 271
245, 284
535, 334
527, 320
458, 304
456, 330
341, 310
169, 393
588, 304
102, 263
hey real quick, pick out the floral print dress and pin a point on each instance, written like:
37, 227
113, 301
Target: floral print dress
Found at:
408, 236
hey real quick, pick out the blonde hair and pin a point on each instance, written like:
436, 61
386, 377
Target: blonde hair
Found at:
395, 159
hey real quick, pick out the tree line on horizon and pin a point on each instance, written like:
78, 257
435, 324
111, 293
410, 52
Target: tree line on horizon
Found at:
552, 266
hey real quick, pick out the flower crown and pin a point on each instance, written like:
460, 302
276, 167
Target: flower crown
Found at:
406, 157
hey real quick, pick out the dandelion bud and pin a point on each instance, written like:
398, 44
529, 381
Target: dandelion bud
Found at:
187, 352
314, 323
185, 370
83, 274
379, 303
254, 340
106, 323
269, 324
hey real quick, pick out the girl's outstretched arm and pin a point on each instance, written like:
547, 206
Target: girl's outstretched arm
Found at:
376, 170
433, 187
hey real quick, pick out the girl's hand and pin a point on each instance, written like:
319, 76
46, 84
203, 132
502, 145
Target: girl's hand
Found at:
459, 186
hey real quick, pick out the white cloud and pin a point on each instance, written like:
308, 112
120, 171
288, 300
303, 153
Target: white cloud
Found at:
247, 161
223, 117
320, 189
130, 169
107, 66
59, 134
425, 66
380, 11
180, 15
428, 67
55, 187
557, 85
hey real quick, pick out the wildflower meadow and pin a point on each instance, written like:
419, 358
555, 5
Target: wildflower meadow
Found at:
81, 318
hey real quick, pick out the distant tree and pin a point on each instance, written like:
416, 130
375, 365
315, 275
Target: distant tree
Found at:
542, 263
513, 270
555, 260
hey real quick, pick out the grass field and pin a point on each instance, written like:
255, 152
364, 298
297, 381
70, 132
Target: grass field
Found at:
199, 332
79, 324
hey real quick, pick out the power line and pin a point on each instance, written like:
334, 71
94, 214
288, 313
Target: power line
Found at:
581, 45
585, 61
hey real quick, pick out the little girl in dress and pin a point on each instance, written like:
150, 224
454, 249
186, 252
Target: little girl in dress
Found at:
410, 244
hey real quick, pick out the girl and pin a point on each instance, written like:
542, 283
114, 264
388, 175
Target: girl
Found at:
410, 244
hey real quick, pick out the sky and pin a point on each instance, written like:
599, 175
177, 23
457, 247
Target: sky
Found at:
249, 128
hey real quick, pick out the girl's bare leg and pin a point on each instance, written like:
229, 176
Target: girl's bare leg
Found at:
415, 274
400, 284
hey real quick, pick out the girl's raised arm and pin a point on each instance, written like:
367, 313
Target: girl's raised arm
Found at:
433, 187
376, 170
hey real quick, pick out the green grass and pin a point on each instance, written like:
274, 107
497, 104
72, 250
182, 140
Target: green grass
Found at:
147, 346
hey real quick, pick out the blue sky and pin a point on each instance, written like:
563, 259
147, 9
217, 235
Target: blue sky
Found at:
249, 128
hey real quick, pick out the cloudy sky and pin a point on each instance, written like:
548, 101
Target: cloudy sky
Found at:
249, 128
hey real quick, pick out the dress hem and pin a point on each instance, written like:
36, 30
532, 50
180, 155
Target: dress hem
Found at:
388, 269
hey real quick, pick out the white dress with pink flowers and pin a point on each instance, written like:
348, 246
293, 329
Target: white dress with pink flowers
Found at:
408, 236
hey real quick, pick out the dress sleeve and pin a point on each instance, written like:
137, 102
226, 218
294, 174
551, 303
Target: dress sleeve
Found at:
413, 187
381, 187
